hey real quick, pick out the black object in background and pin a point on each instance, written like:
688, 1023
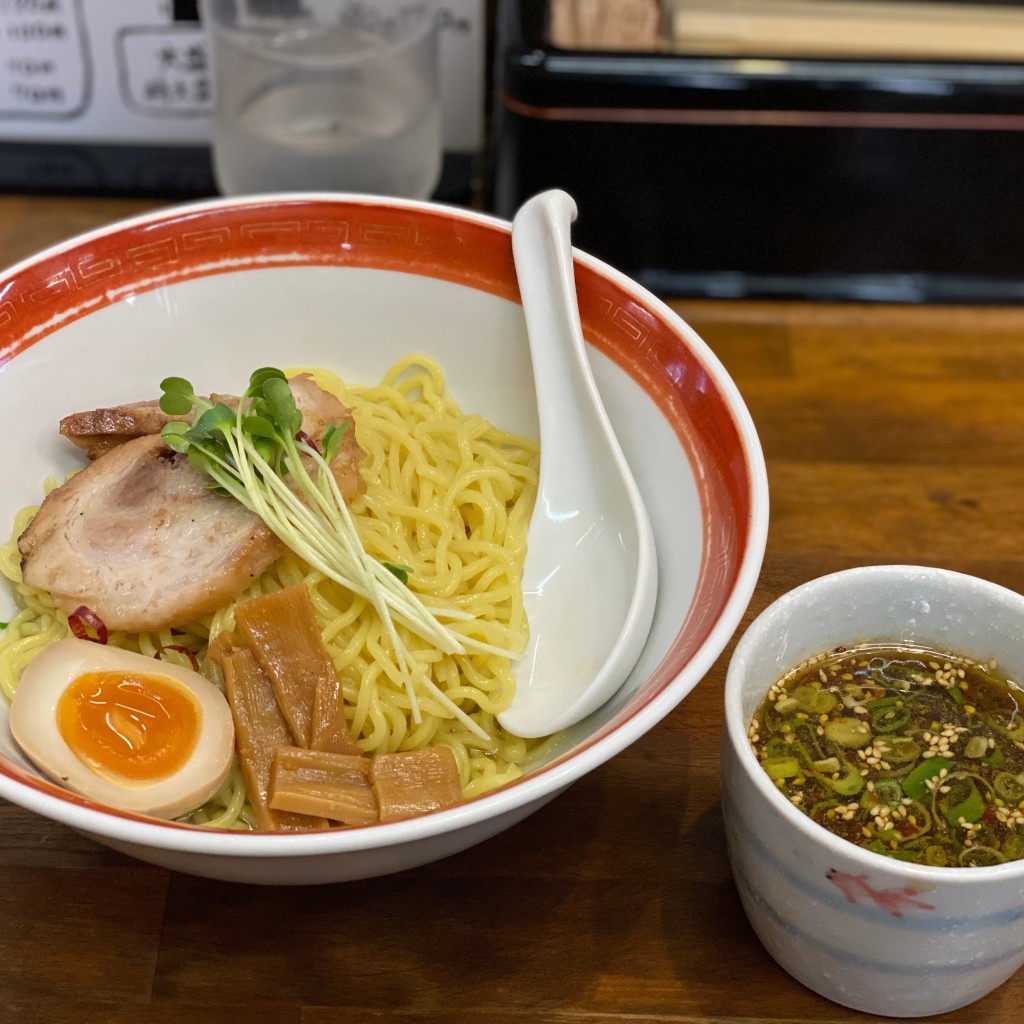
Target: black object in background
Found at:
77, 168
154, 171
738, 177
185, 10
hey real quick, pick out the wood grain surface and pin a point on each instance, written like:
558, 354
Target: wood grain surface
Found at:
891, 435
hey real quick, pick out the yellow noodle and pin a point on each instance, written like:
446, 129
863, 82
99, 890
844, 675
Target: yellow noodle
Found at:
448, 495
227, 807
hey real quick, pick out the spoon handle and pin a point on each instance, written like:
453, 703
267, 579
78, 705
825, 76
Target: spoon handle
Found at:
590, 576
542, 247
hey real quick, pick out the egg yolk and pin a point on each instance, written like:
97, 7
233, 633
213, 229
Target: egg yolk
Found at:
132, 725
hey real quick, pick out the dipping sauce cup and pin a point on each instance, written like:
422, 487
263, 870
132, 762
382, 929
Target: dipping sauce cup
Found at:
870, 932
328, 96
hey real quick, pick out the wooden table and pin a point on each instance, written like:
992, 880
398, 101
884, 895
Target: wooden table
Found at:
891, 434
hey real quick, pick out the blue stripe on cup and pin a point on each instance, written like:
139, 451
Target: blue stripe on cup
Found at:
824, 891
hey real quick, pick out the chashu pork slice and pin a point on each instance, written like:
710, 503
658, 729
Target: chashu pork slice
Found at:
141, 540
319, 410
97, 431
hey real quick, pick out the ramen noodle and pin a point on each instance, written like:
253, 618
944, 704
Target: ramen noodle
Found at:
449, 496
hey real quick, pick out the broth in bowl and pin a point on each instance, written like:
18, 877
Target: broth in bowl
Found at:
908, 752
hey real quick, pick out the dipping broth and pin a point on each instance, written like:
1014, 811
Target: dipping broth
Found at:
907, 752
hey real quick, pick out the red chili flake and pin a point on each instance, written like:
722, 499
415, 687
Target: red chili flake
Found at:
303, 438
181, 650
989, 818
87, 625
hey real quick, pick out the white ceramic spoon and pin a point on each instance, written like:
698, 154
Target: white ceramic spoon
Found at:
590, 579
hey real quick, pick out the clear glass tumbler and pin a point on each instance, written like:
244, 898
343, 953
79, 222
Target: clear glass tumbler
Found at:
325, 95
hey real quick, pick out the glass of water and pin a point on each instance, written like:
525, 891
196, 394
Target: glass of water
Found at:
325, 95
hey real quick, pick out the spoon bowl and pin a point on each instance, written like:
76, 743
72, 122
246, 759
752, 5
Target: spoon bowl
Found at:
591, 577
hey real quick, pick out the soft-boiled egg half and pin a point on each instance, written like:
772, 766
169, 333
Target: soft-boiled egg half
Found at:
123, 729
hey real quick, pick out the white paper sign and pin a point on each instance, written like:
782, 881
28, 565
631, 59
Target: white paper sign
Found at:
45, 67
125, 71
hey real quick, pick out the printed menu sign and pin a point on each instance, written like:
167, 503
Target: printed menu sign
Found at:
165, 70
45, 65
104, 71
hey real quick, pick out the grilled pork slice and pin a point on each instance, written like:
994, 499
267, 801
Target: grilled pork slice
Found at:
319, 410
139, 538
97, 431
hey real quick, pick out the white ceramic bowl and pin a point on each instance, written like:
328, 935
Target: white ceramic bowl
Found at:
876, 934
215, 289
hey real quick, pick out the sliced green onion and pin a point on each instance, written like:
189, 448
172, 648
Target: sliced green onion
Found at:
1009, 787
848, 784
781, 767
915, 785
848, 732
814, 701
890, 719
969, 808
901, 749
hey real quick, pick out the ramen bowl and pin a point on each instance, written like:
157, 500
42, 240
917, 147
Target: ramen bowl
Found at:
872, 932
213, 290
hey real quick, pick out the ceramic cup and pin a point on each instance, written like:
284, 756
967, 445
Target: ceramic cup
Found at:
875, 934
